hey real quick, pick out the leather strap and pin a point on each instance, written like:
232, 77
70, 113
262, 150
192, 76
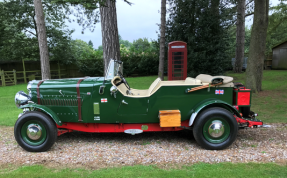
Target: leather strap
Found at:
38, 91
79, 99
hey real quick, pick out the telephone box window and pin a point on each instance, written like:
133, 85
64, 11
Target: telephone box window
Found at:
177, 61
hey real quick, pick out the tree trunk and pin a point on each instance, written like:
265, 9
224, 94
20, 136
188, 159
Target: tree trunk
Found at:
255, 62
42, 40
110, 35
240, 36
162, 40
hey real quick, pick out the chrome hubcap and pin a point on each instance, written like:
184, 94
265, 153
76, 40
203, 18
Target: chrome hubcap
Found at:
34, 132
216, 129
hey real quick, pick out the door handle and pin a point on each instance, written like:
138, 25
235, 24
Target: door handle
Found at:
123, 101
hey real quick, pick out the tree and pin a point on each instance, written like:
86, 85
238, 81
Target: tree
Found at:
126, 43
91, 44
162, 40
141, 44
240, 34
108, 13
203, 25
255, 61
277, 28
42, 39
110, 38
20, 34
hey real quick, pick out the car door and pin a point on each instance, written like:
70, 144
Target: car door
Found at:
133, 106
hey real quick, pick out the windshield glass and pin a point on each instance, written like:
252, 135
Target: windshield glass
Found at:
113, 69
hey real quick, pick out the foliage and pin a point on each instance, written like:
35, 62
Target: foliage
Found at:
141, 44
232, 40
137, 61
89, 61
277, 28
202, 25
90, 43
19, 31
140, 58
126, 43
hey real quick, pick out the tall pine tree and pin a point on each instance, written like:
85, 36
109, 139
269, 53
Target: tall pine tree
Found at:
202, 25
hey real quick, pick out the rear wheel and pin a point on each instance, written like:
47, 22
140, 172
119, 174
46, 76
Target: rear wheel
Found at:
35, 132
215, 129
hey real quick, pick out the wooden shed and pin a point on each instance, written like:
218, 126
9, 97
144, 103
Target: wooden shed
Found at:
279, 58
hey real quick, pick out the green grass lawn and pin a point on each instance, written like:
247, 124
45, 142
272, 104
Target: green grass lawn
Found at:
8, 110
197, 170
270, 104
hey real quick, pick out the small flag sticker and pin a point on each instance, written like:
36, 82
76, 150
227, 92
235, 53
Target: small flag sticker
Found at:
219, 92
104, 100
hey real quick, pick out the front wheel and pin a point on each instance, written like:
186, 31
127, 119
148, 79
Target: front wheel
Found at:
35, 131
215, 129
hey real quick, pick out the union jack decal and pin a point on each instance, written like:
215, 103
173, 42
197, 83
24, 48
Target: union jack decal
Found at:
219, 92
104, 100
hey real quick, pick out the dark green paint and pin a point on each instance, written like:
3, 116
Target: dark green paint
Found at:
220, 139
27, 139
215, 102
47, 110
138, 110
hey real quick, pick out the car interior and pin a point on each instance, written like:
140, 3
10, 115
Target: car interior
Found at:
202, 79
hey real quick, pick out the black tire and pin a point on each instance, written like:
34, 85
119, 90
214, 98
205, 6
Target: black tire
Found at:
213, 115
46, 141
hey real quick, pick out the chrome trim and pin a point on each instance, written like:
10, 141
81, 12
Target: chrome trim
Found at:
123, 101
60, 91
192, 117
21, 98
216, 129
113, 91
34, 132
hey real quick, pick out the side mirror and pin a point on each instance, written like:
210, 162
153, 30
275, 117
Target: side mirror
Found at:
102, 89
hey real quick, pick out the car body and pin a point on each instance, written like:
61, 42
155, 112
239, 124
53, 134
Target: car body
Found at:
211, 106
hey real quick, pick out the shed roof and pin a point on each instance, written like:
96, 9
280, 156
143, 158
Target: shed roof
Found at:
279, 43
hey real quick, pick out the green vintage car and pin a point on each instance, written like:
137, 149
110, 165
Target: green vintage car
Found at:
213, 107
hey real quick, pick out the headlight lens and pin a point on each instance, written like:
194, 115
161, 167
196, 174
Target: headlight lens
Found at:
21, 98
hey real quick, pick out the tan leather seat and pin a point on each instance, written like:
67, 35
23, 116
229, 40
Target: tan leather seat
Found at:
208, 78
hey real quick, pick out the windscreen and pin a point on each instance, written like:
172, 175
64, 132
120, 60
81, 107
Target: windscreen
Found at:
113, 69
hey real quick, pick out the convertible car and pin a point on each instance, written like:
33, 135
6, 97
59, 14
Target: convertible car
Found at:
212, 107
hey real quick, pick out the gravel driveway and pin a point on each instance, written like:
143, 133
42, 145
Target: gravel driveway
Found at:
165, 148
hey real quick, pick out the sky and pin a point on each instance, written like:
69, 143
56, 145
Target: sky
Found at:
136, 21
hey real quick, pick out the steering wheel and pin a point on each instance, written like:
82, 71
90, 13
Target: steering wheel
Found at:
123, 81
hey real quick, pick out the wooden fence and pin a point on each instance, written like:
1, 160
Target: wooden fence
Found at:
11, 77
8, 77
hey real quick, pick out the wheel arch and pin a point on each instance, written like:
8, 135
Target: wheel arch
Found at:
46, 110
208, 104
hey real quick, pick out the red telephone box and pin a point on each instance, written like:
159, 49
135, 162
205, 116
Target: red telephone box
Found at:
177, 60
